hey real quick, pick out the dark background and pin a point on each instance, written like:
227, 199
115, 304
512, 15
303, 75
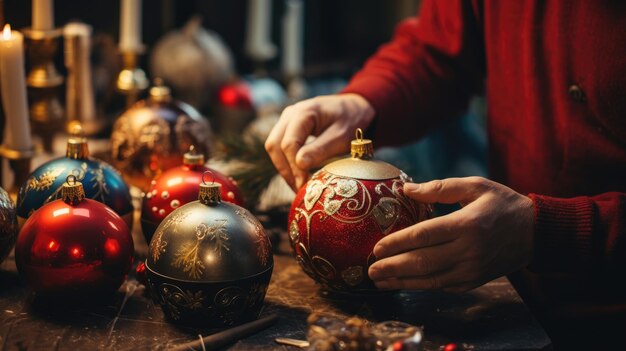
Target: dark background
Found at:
339, 35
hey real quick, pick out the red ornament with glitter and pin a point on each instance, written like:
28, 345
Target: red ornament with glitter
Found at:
178, 186
343, 211
74, 247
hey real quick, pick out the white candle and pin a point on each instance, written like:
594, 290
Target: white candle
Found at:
79, 92
293, 40
43, 15
13, 82
130, 26
258, 43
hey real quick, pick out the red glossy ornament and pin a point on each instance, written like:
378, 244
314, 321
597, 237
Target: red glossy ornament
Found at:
74, 246
451, 347
178, 186
343, 211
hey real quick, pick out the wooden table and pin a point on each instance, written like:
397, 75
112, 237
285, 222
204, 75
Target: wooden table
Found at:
492, 317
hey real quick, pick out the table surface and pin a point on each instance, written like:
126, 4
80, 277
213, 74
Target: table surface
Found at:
492, 317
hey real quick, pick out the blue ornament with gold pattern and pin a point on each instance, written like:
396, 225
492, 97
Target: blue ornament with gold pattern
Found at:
101, 181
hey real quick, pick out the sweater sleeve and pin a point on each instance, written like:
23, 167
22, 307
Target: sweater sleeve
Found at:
426, 74
582, 235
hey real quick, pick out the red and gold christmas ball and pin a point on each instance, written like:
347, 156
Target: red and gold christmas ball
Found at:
74, 246
343, 211
178, 186
152, 136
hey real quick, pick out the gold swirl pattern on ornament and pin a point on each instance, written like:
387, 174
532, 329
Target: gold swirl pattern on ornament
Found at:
187, 256
261, 240
158, 244
176, 299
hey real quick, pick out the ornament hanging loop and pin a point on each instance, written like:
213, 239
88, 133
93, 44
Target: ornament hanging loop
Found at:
210, 193
359, 134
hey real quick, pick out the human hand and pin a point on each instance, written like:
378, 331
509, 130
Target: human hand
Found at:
333, 119
490, 236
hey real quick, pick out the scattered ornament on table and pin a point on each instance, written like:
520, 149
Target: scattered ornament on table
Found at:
8, 224
74, 247
194, 61
101, 181
210, 262
326, 333
178, 186
343, 211
233, 108
153, 135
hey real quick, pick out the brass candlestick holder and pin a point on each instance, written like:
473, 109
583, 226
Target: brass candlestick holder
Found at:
131, 80
43, 81
19, 163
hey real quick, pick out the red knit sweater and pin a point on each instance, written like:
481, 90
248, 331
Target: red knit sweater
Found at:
555, 80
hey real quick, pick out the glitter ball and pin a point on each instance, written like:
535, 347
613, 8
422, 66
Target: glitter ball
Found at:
165, 195
154, 209
161, 212
175, 203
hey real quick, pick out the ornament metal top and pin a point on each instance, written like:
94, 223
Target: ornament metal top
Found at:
343, 211
178, 186
153, 135
8, 224
74, 247
101, 181
210, 262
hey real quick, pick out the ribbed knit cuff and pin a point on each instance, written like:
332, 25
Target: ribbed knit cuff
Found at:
563, 239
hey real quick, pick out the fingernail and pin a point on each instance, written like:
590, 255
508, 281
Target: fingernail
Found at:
382, 284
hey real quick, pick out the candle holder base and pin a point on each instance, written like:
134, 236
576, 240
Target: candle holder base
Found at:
131, 80
19, 163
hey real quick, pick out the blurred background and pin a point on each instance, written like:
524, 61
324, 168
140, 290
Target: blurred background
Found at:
337, 38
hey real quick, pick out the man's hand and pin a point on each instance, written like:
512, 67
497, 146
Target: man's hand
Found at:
333, 119
490, 236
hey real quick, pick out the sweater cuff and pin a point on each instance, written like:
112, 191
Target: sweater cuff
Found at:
563, 238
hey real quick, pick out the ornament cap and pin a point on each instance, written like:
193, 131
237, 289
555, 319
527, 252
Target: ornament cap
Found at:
210, 193
77, 147
159, 92
361, 148
193, 158
362, 165
72, 191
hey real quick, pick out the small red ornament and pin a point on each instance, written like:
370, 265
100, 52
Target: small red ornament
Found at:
178, 186
343, 211
451, 347
398, 346
74, 246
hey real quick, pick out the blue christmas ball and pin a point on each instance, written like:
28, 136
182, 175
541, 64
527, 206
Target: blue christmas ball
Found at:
101, 181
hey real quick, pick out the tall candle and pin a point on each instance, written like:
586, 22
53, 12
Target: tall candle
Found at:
293, 41
43, 15
258, 43
13, 83
130, 26
79, 92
